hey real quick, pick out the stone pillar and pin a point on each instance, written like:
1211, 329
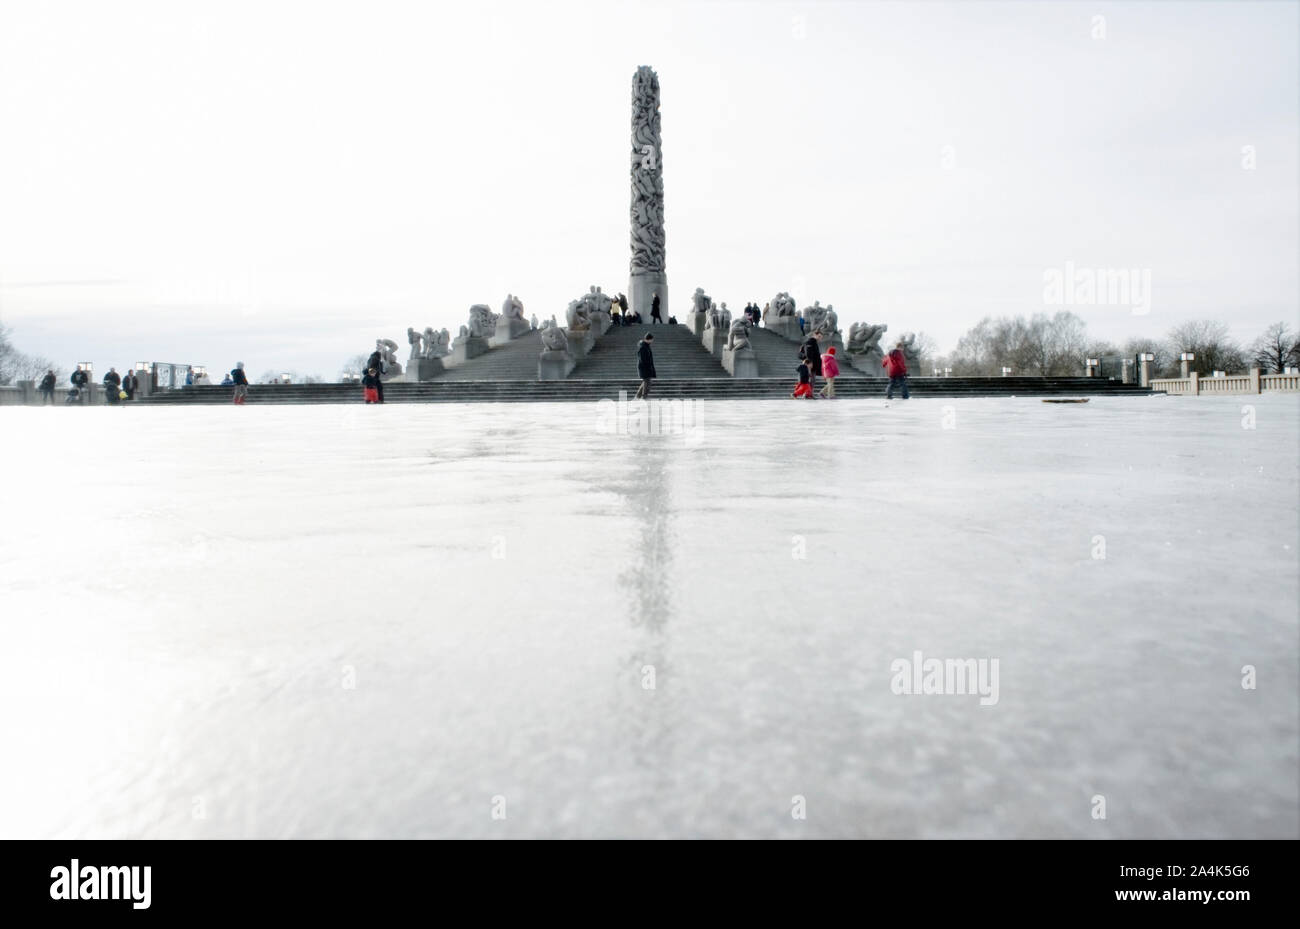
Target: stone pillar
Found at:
1144, 373
648, 275
715, 340
1195, 388
1254, 380
1126, 369
27, 392
422, 369
467, 348
741, 363
554, 366
508, 328
695, 322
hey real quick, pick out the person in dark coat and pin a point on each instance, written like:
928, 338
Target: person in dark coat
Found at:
654, 310
376, 361
240, 380
47, 388
113, 385
370, 386
80, 386
622, 302
645, 365
129, 384
804, 387
811, 352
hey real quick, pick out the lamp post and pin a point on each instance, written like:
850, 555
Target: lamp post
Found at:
947, 372
1090, 366
1184, 362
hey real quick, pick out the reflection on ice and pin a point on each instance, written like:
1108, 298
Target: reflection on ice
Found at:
346, 621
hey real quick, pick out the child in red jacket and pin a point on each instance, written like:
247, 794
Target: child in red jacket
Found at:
830, 371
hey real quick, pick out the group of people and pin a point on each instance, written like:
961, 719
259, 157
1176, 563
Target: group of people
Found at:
813, 364
622, 316
116, 387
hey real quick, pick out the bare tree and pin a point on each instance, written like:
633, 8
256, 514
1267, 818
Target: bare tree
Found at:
1164, 365
19, 366
354, 365
1042, 345
1208, 340
1276, 349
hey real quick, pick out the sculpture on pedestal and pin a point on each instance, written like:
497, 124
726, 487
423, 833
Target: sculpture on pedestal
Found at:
436, 344
578, 316
700, 301
864, 338
911, 353
512, 308
387, 349
713, 317
554, 339
738, 336
782, 305
482, 321
821, 318
414, 338
532, 321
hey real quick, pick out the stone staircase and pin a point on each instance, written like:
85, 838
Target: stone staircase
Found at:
515, 360
678, 356
713, 387
778, 357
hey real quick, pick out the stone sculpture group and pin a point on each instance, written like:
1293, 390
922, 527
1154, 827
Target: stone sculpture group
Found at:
429, 344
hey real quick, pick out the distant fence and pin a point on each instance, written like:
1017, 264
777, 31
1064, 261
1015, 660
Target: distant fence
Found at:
1252, 383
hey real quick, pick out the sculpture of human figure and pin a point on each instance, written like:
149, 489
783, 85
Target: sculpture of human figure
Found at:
414, 338
532, 322
738, 335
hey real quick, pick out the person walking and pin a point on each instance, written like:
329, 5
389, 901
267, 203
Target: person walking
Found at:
622, 302
129, 385
830, 370
895, 366
47, 388
654, 310
376, 363
113, 386
240, 380
370, 386
645, 365
804, 387
811, 352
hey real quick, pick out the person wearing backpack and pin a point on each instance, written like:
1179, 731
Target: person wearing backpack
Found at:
895, 366
811, 352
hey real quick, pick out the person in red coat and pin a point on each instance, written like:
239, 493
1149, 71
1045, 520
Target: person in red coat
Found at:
830, 371
895, 366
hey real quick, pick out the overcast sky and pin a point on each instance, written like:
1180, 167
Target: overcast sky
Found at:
281, 183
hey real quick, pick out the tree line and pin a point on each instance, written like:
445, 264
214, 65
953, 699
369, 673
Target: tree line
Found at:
1058, 345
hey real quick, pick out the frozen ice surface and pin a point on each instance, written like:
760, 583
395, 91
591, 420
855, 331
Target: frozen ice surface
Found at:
353, 621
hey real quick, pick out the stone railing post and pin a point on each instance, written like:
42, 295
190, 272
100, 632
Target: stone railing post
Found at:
1254, 380
1194, 387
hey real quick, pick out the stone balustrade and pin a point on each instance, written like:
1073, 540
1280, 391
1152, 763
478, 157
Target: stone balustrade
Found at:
1252, 383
